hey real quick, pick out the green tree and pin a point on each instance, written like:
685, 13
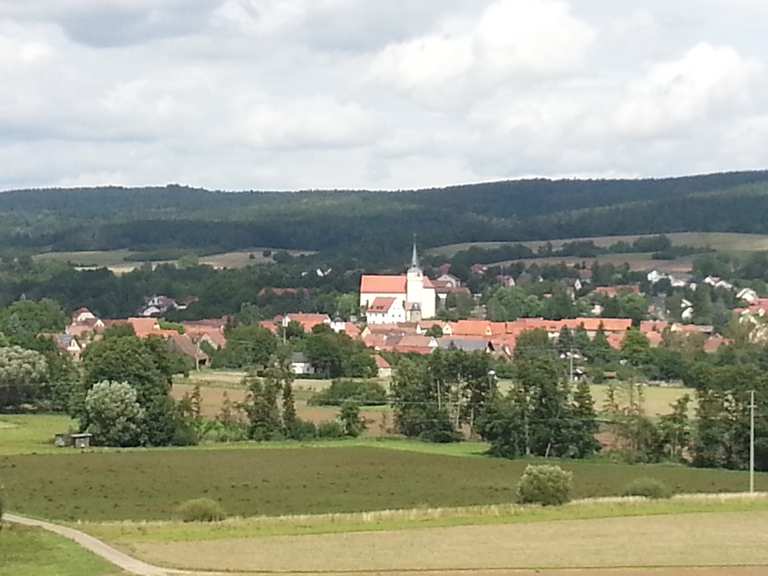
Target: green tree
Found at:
22, 374
351, 421
248, 346
635, 348
262, 407
675, 429
115, 416
23, 321
585, 426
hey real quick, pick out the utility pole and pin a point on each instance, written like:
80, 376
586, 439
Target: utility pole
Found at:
752, 442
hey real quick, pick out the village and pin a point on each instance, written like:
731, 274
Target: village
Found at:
400, 314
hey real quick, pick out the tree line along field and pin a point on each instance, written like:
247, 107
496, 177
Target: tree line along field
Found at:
150, 484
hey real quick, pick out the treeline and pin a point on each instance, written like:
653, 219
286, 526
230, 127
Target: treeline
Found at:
374, 225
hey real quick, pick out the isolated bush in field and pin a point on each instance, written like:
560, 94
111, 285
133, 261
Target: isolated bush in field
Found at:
330, 430
546, 485
648, 487
115, 417
302, 430
201, 510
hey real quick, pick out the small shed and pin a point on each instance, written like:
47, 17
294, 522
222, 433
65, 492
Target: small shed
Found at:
81, 440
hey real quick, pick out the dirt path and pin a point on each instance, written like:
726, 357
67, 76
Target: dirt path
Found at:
101, 549
139, 568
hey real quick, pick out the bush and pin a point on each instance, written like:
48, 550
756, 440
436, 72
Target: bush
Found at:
201, 510
649, 488
302, 430
363, 392
545, 485
330, 430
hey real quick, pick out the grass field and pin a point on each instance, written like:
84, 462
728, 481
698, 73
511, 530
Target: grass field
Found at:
120, 261
141, 484
27, 433
720, 241
704, 539
34, 552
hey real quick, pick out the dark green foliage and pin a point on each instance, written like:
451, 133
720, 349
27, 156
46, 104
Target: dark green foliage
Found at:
262, 407
330, 430
201, 510
337, 355
247, 347
364, 392
545, 485
351, 421
648, 488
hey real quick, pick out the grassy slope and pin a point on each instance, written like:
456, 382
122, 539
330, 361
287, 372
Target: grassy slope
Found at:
34, 552
150, 484
720, 241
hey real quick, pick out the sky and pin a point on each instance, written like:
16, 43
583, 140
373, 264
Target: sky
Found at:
309, 94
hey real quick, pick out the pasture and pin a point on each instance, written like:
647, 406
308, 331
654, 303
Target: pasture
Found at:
34, 552
720, 241
150, 484
31, 433
121, 261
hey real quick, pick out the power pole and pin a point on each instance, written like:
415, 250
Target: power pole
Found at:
752, 442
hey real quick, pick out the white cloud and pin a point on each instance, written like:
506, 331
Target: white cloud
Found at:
510, 38
707, 81
364, 93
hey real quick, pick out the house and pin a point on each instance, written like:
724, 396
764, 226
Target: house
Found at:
467, 344
410, 297
300, 365
306, 321
506, 281
84, 325
157, 306
483, 328
614, 291
447, 280
415, 344
83, 316
383, 367
717, 282
184, 344
747, 295
68, 344
389, 310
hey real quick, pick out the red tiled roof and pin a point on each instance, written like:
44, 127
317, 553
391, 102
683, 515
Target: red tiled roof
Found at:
477, 328
381, 363
381, 305
383, 284
648, 326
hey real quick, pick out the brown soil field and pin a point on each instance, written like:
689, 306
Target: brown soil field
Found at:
716, 540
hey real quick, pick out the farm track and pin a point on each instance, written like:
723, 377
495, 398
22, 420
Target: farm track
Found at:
138, 567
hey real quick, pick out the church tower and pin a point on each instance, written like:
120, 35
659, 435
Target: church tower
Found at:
414, 289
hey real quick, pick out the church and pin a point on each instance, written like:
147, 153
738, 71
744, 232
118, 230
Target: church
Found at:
404, 298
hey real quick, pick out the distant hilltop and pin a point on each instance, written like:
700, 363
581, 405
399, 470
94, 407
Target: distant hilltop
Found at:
373, 224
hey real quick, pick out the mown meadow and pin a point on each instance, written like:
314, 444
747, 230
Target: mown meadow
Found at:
150, 484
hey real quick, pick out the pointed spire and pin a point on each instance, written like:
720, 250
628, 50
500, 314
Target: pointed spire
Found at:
414, 257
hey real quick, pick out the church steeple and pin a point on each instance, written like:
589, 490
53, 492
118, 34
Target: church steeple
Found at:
414, 257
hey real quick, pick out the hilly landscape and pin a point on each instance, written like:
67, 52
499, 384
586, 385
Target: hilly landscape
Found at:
372, 224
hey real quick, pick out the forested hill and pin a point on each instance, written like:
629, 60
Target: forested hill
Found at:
377, 222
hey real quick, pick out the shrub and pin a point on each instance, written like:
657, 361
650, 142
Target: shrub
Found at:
649, 488
330, 430
302, 430
545, 485
364, 392
201, 510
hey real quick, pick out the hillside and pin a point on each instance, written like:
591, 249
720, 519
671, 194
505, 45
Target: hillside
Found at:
375, 223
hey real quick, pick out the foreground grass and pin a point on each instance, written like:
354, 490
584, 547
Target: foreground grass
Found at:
31, 433
129, 533
149, 485
34, 552
722, 539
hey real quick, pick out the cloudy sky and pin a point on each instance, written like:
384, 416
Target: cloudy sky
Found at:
289, 94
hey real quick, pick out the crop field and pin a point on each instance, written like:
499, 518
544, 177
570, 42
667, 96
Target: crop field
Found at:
636, 261
141, 484
33, 552
720, 241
